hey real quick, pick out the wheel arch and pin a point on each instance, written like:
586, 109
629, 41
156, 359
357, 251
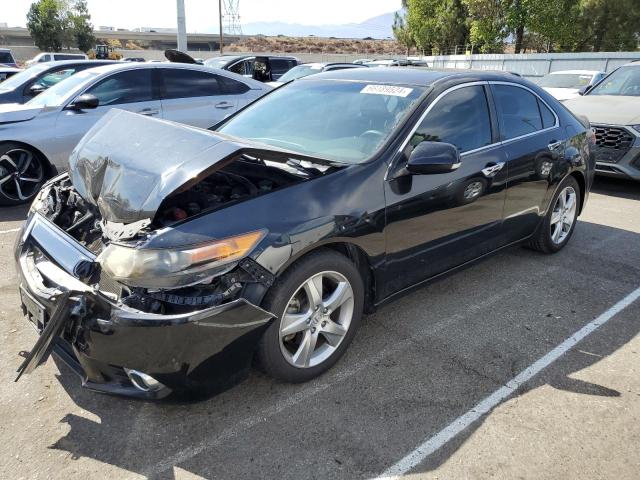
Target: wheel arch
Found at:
50, 169
579, 176
355, 254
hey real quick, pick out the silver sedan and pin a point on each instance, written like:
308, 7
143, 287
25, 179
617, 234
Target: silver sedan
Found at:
36, 138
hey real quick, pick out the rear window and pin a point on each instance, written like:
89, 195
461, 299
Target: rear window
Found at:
6, 57
189, 83
65, 56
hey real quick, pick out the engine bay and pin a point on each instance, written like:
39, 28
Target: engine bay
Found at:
241, 179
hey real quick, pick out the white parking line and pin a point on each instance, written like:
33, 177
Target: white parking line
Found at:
314, 389
11, 230
434, 443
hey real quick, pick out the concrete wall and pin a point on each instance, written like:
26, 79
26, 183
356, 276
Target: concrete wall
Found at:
535, 64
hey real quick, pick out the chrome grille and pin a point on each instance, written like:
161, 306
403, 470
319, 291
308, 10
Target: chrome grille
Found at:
613, 143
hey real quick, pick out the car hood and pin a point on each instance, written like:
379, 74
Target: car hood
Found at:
563, 93
607, 109
127, 164
14, 112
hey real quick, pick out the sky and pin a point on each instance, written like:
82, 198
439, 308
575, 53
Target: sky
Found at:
202, 14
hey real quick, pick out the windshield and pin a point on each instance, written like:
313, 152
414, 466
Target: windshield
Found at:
24, 76
218, 62
337, 120
624, 81
299, 72
565, 80
57, 95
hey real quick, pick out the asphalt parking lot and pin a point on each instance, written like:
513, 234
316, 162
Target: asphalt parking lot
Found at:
413, 375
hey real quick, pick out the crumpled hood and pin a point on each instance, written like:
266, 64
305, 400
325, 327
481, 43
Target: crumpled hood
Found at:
14, 112
127, 164
607, 109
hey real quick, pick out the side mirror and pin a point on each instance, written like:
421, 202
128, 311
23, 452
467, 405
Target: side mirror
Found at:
433, 157
84, 102
583, 90
36, 89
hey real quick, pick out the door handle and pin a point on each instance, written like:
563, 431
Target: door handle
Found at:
491, 169
224, 105
148, 111
553, 145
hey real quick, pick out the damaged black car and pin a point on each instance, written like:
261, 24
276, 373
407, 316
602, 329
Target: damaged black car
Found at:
170, 259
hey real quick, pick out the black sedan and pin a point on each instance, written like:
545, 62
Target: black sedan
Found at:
170, 262
25, 85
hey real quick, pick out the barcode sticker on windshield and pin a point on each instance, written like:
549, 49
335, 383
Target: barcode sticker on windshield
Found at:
387, 90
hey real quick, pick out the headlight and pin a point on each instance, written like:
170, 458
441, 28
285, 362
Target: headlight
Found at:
168, 268
636, 127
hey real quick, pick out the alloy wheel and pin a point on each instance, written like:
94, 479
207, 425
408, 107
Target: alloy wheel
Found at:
316, 320
20, 174
563, 215
473, 190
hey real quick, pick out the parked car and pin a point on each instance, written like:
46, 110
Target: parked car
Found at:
55, 57
310, 69
6, 58
613, 108
133, 59
33, 81
418, 63
262, 68
6, 72
38, 136
361, 61
170, 256
387, 63
566, 84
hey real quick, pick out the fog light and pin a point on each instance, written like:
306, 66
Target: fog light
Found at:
142, 381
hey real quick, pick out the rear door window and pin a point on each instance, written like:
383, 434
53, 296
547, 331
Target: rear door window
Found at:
230, 86
280, 66
180, 83
518, 111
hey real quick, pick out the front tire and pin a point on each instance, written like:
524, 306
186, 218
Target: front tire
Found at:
556, 229
318, 305
22, 174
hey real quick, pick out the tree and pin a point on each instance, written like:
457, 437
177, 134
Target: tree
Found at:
82, 27
488, 24
55, 24
47, 23
437, 24
402, 33
606, 25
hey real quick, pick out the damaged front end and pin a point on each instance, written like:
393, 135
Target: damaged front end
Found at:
140, 320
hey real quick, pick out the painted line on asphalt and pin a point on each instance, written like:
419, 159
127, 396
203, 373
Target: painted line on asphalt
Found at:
307, 392
461, 423
11, 230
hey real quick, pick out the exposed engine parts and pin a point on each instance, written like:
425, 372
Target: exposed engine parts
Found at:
238, 181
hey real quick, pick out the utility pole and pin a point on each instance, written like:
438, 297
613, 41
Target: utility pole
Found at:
220, 20
182, 27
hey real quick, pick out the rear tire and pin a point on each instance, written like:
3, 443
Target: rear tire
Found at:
556, 229
318, 306
22, 173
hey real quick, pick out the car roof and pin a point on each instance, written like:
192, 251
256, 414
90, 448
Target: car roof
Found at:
62, 63
576, 72
116, 66
412, 76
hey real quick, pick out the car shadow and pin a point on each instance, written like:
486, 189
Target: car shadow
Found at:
136, 435
616, 187
13, 214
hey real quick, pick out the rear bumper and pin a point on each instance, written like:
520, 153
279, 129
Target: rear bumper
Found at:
206, 350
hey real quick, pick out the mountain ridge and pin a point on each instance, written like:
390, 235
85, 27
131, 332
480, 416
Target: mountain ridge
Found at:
375, 27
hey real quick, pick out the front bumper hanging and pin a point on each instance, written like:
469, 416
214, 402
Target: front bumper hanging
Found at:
118, 349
